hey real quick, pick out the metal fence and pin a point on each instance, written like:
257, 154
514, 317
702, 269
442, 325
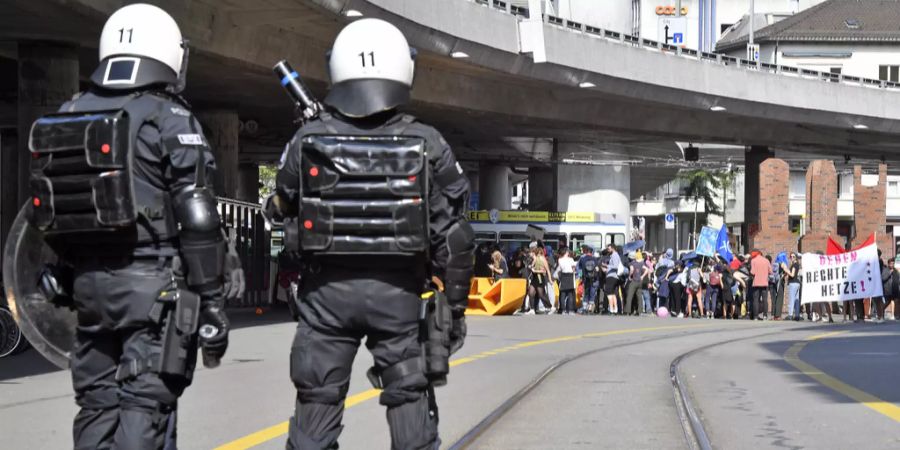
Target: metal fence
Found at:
246, 227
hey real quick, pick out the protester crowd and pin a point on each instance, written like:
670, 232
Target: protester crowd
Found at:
608, 282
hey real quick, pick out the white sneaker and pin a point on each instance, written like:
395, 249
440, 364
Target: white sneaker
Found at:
530, 312
681, 315
552, 311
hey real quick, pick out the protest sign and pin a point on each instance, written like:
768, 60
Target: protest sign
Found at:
706, 243
845, 276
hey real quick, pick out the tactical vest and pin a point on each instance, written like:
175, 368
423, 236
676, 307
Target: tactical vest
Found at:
363, 195
82, 179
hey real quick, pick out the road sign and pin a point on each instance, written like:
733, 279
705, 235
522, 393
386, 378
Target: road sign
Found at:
672, 30
753, 52
670, 221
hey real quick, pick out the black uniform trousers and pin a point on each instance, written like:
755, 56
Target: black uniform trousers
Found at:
339, 306
113, 297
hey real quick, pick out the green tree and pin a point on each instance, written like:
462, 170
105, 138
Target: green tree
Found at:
267, 180
702, 184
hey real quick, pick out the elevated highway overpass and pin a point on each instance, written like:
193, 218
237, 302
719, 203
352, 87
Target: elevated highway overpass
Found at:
529, 91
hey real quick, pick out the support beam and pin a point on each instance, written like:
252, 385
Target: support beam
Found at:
821, 206
493, 184
869, 209
248, 182
48, 77
599, 189
753, 157
222, 128
9, 202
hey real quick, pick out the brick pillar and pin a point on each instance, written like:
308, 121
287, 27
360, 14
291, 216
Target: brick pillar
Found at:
821, 206
774, 233
869, 210
753, 157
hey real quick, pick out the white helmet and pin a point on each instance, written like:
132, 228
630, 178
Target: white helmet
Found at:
140, 45
371, 67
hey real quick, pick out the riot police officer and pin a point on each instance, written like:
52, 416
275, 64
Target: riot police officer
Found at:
120, 185
374, 201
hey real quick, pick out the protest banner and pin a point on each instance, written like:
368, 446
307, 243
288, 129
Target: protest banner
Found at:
844, 276
706, 243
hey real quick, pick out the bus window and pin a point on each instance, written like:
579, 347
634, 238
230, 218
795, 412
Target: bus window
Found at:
617, 239
510, 242
554, 240
593, 240
485, 237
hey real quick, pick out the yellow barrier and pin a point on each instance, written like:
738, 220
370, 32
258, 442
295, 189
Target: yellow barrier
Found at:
487, 298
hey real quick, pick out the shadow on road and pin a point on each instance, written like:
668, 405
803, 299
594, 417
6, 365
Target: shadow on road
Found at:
25, 364
867, 358
30, 362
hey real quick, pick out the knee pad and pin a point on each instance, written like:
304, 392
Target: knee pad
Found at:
408, 389
329, 394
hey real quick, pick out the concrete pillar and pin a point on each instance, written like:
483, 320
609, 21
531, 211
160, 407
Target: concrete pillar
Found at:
773, 235
48, 77
474, 192
248, 182
493, 187
753, 157
222, 128
821, 206
9, 195
542, 193
870, 209
599, 189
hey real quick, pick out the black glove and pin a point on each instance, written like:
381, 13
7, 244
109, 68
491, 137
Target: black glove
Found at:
457, 331
212, 314
56, 284
235, 283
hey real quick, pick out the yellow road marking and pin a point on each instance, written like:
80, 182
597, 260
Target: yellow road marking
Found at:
267, 434
792, 357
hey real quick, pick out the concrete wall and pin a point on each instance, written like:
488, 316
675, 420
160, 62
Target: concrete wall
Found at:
601, 189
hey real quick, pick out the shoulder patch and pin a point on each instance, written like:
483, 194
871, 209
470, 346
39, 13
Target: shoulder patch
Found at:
180, 111
190, 139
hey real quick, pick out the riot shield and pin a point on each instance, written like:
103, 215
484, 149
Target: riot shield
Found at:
49, 328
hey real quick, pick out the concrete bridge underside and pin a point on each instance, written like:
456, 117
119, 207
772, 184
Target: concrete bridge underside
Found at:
498, 105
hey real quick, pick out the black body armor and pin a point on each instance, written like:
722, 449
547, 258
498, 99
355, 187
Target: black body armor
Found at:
363, 195
82, 177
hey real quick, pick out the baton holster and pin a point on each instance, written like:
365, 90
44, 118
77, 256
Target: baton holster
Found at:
435, 321
180, 310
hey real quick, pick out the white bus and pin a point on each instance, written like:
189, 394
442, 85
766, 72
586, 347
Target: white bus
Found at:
508, 229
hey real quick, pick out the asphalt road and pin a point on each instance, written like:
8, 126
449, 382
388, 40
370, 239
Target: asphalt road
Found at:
618, 397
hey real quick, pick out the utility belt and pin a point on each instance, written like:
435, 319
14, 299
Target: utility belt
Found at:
176, 311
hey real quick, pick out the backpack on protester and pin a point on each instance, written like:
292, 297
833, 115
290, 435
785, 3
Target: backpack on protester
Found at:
715, 278
589, 270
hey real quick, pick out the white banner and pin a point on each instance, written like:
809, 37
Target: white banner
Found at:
847, 276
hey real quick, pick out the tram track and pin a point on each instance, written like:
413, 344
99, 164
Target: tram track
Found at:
694, 432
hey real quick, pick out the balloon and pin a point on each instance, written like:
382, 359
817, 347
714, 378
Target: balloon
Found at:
662, 311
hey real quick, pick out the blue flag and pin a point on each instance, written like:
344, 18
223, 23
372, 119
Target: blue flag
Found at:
722, 247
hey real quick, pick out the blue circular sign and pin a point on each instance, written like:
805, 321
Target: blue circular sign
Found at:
670, 217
